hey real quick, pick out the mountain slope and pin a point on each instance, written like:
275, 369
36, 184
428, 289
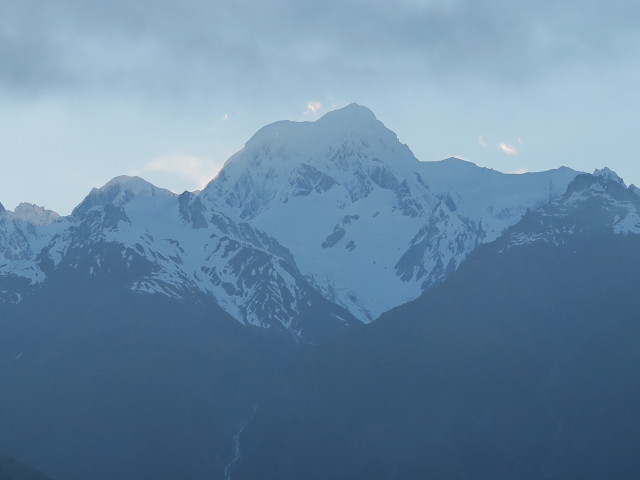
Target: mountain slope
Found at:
522, 365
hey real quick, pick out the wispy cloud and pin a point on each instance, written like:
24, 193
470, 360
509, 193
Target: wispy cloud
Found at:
313, 107
197, 171
508, 149
482, 142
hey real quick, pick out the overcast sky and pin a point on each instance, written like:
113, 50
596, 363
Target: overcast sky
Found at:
168, 90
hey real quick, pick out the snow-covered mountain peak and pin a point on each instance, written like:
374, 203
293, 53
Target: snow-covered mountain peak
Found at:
35, 214
347, 154
367, 223
23, 233
605, 183
357, 124
460, 161
136, 185
351, 115
118, 192
353, 126
608, 174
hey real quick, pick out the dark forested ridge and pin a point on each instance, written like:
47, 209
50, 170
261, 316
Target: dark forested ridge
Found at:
524, 365
11, 469
109, 384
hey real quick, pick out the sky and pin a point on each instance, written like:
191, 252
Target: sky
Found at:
168, 90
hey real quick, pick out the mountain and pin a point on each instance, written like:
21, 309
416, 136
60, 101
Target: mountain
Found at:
156, 242
119, 191
311, 228
114, 363
368, 224
34, 214
119, 357
141, 335
522, 365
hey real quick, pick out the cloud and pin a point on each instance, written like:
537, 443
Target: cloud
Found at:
313, 107
508, 149
197, 171
520, 171
229, 45
482, 142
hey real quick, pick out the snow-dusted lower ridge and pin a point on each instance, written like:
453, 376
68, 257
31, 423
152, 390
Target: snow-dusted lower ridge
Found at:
153, 242
333, 220
598, 203
23, 234
119, 191
34, 214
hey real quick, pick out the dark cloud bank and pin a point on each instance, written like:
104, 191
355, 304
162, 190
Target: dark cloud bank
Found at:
194, 46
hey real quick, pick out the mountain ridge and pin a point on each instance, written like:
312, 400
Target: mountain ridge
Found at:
346, 206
